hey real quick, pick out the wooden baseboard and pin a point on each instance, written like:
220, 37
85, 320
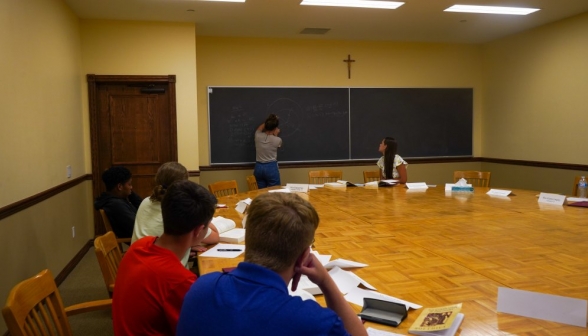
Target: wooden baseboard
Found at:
70, 266
73, 262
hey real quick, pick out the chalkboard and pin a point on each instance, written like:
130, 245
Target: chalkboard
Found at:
322, 124
425, 122
314, 122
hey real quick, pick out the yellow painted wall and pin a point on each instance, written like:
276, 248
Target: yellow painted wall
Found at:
41, 114
535, 103
529, 104
146, 48
226, 61
41, 132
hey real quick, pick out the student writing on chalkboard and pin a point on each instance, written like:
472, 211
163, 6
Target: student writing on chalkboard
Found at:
392, 166
267, 142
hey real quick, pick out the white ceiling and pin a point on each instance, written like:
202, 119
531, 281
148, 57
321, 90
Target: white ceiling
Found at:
416, 20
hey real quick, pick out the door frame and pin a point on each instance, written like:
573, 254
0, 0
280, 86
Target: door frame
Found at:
93, 82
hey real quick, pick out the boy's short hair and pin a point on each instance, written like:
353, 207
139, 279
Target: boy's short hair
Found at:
185, 206
115, 175
280, 227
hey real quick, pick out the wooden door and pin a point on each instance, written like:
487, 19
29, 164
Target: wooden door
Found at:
133, 124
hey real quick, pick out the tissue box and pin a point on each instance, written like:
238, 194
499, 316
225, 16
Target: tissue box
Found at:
462, 189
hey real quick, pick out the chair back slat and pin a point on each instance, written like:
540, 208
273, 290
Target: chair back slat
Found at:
224, 188
324, 176
252, 183
34, 307
475, 178
370, 176
109, 257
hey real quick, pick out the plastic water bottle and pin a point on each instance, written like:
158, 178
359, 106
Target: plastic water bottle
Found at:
582, 187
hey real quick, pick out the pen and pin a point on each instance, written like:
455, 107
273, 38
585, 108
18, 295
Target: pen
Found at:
229, 250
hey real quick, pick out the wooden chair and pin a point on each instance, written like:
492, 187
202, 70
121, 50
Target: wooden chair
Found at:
476, 178
108, 228
323, 176
224, 188
109, 256
252, 183
370, 176
34, 307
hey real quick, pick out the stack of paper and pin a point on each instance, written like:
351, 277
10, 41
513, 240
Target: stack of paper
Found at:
336, 185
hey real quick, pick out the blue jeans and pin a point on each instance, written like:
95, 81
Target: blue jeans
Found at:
267, 174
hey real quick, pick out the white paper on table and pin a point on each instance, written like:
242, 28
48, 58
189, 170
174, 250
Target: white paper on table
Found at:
344, 281
315, 186
242, 205
376, 332
297, 187
417, 185
548, 307
498, 192
283, 190
322, 258
550, 207
214, 252
361, 281
304, 295
306, 285
343, 263
554, 199
448, 186
357, 295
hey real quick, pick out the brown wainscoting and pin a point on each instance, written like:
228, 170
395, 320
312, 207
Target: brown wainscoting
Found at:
73, 262
193, 173
21, 205
70, 266
348, 163
567, 166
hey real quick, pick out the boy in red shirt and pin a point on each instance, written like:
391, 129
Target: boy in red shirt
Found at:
151, 281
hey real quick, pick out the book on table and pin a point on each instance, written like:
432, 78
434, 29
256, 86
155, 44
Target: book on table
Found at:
387, 183
346, 183
440, 321
232, 236
227, 231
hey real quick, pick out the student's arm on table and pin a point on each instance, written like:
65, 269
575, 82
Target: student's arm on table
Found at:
213, 237
317, 273
402, 174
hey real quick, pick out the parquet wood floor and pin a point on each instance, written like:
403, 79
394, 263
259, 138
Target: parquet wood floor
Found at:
433, 249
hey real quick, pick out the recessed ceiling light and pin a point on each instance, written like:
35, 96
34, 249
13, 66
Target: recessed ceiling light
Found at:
491, 10
354, 3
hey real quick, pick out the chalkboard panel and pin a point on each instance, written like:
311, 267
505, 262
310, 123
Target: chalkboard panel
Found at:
425, 122
314, 122
320, 124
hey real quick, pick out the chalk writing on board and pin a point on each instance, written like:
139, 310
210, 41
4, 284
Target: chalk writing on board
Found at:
240, 125
290, 114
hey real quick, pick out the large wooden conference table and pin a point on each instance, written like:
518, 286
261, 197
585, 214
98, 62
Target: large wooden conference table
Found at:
435, 248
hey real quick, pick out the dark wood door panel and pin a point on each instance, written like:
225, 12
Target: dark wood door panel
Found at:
133, 124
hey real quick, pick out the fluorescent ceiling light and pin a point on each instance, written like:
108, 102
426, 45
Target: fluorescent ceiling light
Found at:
354, 3
491, 9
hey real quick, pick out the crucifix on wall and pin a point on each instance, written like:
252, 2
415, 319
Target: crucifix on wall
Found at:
348, 61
